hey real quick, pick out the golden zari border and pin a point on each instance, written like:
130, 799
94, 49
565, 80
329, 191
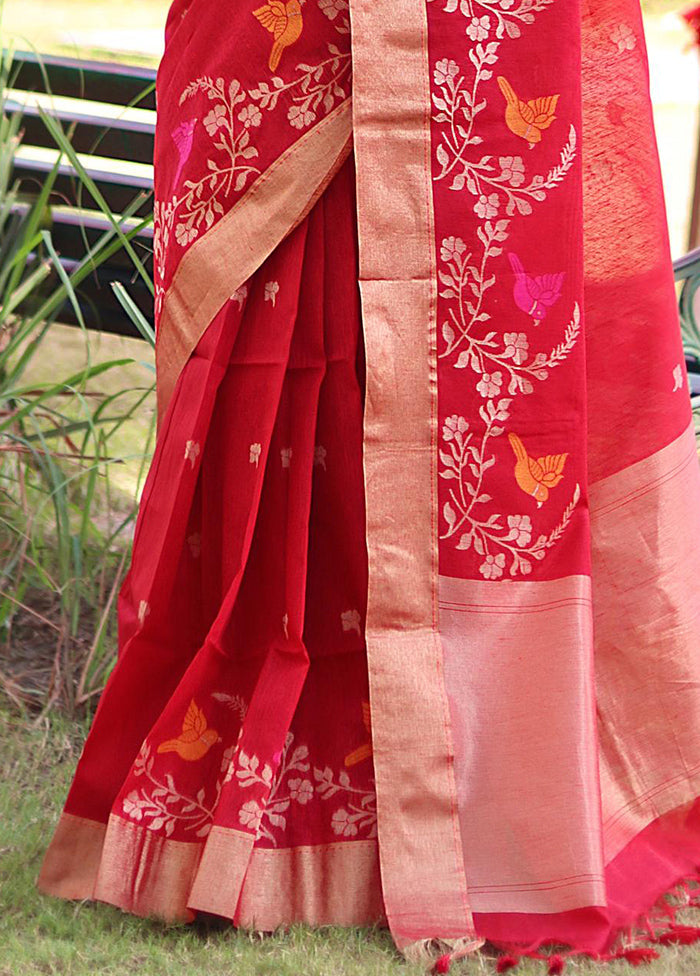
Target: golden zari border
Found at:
423, 877
645, 522
522, 772
126, 865
228, 254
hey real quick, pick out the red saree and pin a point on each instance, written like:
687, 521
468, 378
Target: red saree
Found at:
410, 629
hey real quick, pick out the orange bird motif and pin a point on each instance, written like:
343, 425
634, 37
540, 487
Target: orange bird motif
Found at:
284, 21
365, 751
536, 478
195, 740
528, 119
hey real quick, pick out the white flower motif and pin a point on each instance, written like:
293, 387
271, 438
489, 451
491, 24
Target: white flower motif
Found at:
228, 760
185, 234
300, 117
250, 115
144, 610
240, 295
300, 790
286, 455
255, 452
351, 620
450, 247
490, 384
486, 207
444, 71
142, 760
215, 119
492, 567
342, 825
132, 806
250, 815
499, 230
623, 36
320, 456
454, 427
331, 8
195, 543
192, 450
517, 347
677, 378
271, 290
512, 170
520, 529
479, 27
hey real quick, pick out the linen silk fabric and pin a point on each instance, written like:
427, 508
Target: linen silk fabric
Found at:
424, 650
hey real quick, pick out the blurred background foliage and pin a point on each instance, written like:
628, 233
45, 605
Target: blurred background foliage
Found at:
76, 435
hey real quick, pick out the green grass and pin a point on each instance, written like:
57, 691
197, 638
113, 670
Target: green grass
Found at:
42, 935
64, 350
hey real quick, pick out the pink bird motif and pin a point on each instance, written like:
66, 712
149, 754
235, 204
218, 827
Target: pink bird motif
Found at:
183, 137
535, 294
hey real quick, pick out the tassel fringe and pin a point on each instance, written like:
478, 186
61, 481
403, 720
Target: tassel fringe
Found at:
442, 965
656, 928
505, 963
680, 935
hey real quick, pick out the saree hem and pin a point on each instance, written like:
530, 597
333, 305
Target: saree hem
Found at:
648, 919
126, 865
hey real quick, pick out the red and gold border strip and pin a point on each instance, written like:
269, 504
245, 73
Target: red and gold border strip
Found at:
422, 866
127, 865
228, 254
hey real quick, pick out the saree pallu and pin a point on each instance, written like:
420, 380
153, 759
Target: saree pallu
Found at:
410, 629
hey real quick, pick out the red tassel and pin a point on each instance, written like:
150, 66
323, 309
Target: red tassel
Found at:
680, 935
637, 957
505, 963
556, 966
442, 965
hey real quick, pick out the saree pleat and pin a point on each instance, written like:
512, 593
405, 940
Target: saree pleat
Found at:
410, 629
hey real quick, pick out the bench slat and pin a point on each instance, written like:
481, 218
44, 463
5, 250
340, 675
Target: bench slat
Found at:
100, 168
104, 81
81, 110
85, 217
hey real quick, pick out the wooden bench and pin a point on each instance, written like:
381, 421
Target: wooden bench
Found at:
110, 110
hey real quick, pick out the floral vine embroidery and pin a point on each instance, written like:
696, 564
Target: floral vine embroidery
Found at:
334, 8
360, 812
494, 182
163, 216
502, 17
165, 805
492, 357
231, 131
317, 86
266, 814
236, 703
495, 537
502, 188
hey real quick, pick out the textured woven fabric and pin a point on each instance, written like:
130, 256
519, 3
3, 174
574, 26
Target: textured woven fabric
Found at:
410, 632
